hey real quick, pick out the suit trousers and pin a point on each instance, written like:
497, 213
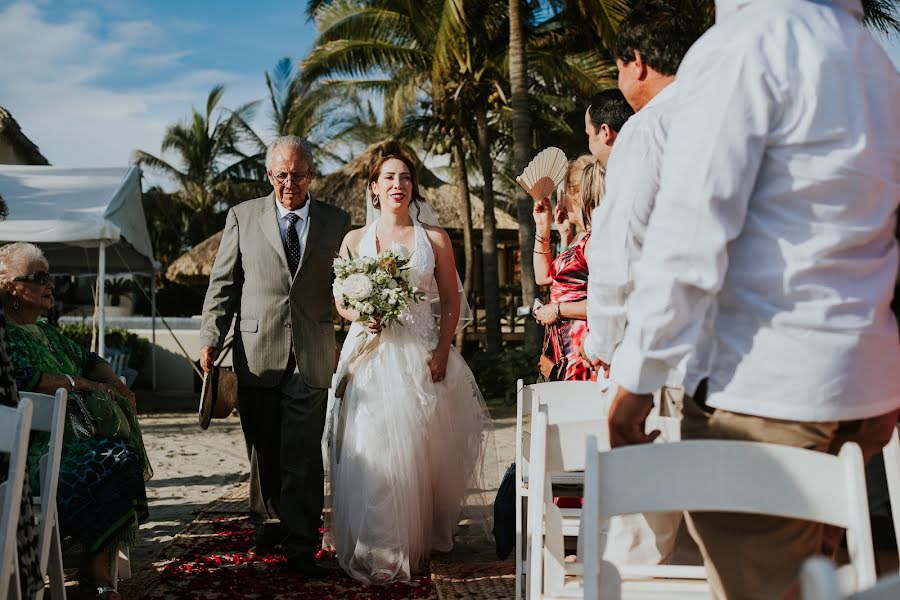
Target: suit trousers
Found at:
755, 557
283, 430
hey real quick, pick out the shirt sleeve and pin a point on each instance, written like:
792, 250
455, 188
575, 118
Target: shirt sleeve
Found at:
609, 272
724, 109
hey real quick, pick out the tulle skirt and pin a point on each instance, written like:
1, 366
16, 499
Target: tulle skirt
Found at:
403, 456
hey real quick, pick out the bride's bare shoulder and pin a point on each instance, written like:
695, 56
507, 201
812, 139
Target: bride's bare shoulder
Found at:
437, 235
354, 237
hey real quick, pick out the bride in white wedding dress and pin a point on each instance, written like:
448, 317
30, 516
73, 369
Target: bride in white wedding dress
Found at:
405, 446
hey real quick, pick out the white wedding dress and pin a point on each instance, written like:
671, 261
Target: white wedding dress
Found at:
403, 454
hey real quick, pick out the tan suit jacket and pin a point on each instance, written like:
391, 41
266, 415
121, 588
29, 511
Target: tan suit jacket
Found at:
250, 279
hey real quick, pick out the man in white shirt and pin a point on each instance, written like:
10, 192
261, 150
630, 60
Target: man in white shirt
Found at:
775, 215
651, 42
603, 119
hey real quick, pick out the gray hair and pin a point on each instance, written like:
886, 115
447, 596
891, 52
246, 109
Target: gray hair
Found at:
18, 256
290, 142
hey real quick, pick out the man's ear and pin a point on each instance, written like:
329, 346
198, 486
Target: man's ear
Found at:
640, 66
607, 134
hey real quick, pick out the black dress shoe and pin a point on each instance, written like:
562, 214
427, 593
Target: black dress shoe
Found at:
307, 567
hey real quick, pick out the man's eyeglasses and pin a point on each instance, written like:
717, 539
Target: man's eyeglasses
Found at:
38, 277
283, 178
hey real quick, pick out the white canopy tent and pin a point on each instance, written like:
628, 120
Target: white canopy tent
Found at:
86, 220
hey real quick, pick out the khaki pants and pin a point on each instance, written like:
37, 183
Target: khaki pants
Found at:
754, 557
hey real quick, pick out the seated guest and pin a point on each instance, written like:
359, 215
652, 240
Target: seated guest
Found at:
564, 317
101, 497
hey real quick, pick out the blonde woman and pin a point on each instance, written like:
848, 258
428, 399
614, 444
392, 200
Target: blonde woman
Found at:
565, 317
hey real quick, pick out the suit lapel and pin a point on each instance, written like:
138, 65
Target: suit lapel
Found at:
268, 222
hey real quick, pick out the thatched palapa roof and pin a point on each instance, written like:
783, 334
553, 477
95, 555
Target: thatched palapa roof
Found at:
346, 188
22, 146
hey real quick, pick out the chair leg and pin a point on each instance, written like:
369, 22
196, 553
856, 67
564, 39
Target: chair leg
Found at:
15, 585
123, 563
55, 567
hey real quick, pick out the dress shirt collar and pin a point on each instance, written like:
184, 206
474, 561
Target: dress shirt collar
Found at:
302, 212
725, 8
661, 96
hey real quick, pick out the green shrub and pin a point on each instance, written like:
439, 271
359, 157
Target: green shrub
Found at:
116, 337
496, 374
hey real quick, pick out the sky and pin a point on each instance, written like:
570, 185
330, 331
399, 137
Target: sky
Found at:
90, 81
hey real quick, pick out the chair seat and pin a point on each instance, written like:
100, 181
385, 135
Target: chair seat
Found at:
665, 589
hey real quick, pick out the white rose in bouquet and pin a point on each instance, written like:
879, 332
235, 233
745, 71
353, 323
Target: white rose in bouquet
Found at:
356, 287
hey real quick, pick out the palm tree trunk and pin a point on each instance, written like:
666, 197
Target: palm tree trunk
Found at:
489, 235
462, 183
521, 130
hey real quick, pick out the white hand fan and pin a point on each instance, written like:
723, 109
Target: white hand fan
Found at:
544, 173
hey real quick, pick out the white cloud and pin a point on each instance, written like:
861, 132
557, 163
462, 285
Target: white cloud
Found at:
56, 82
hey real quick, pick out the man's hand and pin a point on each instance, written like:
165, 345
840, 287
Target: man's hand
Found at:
594, 365
628, 417
208, 355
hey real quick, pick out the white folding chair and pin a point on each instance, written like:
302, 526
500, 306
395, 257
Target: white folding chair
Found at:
559, 448
892, 471
15, 425
726, 476
820, 581
563, 398
49, 416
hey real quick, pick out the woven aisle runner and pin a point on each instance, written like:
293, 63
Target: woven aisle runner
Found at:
208, 561
465, 581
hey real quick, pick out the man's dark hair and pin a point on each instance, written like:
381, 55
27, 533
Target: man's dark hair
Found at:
661, 34
610, 107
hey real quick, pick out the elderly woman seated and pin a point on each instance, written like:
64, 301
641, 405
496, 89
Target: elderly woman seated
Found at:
101, 498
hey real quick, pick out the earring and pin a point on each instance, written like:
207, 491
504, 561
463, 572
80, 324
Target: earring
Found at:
15, 302
376, 201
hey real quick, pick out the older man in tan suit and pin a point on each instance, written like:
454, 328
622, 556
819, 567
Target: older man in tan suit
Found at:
273, 273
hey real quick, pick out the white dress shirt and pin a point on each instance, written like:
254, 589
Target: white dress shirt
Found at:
619, 223
776, 214
302, 225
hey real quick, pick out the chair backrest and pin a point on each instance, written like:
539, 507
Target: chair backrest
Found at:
49, 416
892, 471
15, 424
741, 477
118, 361
571, 400
820, 581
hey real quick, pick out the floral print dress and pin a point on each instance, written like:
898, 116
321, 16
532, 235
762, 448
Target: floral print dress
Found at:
569, 272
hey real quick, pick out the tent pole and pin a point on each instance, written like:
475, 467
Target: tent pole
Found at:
101, 302
153, 330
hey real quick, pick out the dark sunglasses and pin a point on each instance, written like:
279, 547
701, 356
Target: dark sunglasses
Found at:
38, 277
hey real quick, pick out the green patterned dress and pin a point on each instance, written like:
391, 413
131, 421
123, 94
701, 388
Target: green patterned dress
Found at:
101, 496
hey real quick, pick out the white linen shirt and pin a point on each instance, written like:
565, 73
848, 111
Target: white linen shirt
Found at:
302, 224
776, 214
619, 223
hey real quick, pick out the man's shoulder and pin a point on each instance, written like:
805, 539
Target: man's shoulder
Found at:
252, 206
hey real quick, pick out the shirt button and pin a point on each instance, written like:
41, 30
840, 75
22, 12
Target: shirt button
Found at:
287, 325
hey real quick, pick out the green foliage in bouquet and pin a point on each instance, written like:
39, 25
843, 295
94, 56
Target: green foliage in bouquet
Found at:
376, 287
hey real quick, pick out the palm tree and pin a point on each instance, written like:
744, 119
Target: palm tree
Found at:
426, 51
521, 134
203, 145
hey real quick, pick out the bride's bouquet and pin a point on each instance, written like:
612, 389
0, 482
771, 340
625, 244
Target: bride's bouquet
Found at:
377, 288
